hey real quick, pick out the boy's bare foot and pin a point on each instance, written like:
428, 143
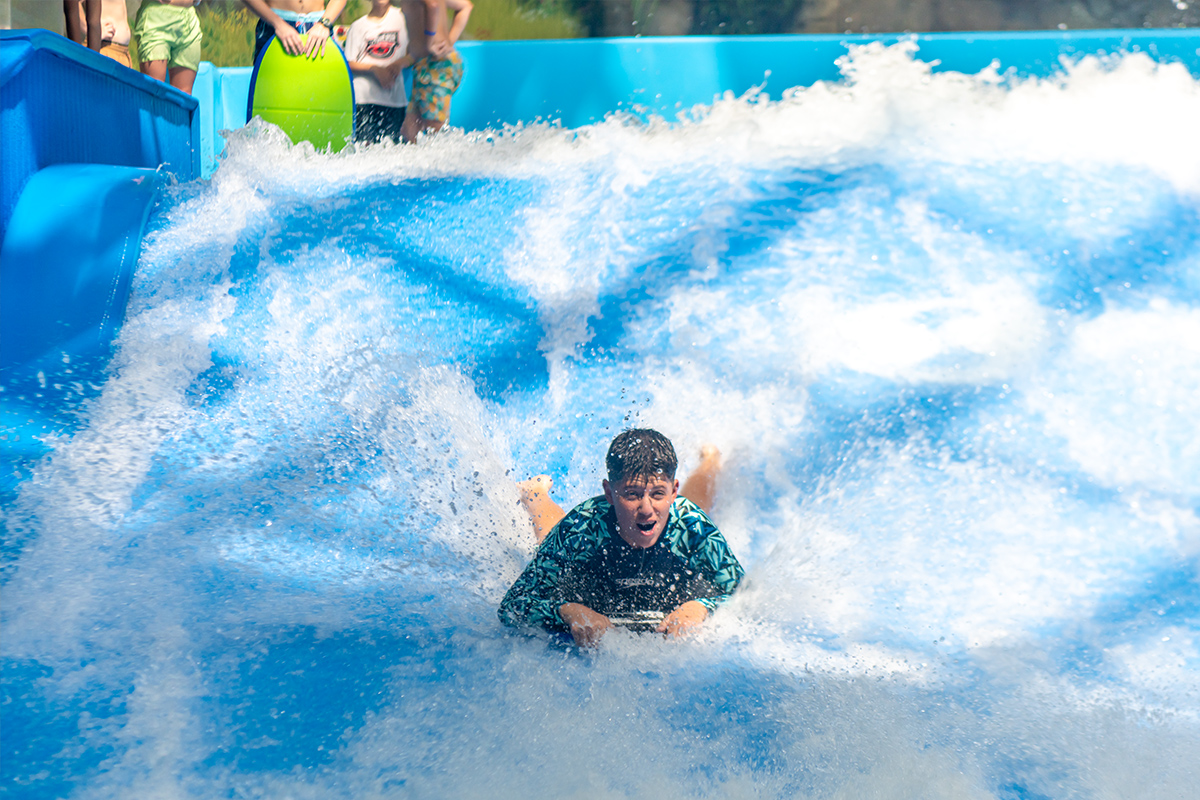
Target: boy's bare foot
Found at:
538, 485
710, 458
701, 485
543, 512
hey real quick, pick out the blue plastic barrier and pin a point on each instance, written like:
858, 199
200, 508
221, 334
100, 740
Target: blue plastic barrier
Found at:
580, 81
85, 141
64, 104
222, 92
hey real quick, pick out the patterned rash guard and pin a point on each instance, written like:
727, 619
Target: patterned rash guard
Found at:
584, 560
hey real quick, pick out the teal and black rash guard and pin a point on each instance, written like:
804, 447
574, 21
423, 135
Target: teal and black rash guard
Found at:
584, 560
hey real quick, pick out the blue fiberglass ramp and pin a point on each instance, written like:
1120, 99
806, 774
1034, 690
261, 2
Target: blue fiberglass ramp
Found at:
86, 145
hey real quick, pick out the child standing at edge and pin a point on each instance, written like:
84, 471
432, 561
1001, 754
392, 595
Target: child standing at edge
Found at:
169, 41
377, 51
438, 70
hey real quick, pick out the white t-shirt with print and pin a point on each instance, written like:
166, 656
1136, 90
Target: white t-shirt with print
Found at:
378, 42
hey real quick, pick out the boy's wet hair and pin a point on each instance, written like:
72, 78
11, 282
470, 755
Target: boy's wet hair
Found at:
640, 453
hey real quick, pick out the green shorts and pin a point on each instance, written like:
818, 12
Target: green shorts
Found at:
433, 83
168, 33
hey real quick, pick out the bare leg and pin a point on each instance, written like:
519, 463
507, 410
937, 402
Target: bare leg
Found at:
414, 125
545, 513
183, 78
156, 69
76, 21
408, 128
701, 485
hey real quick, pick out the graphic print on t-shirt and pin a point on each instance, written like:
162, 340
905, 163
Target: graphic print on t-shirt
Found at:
383, 45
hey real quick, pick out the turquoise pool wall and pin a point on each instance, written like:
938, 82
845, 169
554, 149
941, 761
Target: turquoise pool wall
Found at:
577, 82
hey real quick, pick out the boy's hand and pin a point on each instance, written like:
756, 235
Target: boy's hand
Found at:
587, 626
684, 618
387, 74
289, 38
318, 35
440, 46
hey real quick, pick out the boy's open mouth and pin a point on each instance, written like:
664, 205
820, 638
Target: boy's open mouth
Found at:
645, 527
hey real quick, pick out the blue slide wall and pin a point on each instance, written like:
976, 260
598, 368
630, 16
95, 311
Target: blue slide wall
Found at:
85, 142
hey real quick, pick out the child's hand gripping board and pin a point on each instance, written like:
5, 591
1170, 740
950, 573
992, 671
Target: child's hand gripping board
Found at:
311, 99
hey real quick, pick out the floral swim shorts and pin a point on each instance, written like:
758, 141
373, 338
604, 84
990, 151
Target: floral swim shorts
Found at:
433, 83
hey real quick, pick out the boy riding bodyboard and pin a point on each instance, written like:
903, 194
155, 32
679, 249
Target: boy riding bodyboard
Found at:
640, 549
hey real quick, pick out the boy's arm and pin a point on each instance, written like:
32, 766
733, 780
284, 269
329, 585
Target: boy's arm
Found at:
462, 13
414, 21
333, 10
712, 559
708, 553
386, 74
532, 598
536, 597
726, 573
435, 29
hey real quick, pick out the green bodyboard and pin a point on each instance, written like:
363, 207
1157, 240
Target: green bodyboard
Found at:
311, 99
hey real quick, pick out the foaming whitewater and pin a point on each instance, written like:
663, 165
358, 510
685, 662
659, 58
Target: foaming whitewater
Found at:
944, 328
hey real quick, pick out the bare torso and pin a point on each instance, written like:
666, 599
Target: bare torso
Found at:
299, 6
114, 19
114, 22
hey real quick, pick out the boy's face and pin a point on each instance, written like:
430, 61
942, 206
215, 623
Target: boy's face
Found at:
642, 507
